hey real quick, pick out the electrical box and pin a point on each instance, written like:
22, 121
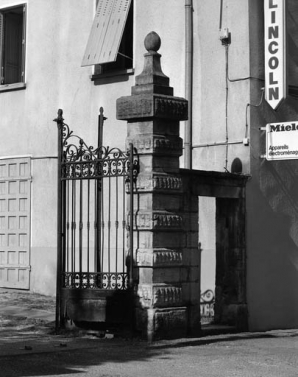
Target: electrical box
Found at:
225, 36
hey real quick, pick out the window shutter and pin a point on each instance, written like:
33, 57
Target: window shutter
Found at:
106, 32
23, 43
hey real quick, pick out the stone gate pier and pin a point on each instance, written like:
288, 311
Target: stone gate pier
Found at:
166, 269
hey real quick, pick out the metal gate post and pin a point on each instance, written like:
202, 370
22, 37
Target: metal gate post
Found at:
59, 121
131, 225
97, 256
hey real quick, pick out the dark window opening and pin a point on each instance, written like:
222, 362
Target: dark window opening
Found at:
12, 45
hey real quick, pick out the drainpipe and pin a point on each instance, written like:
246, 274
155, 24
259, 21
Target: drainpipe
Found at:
188, 82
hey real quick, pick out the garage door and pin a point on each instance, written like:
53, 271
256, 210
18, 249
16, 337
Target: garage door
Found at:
15, 181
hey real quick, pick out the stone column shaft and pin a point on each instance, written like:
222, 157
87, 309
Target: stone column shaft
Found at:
160, 234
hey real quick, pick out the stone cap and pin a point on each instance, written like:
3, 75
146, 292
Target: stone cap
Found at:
152, 97
152, 79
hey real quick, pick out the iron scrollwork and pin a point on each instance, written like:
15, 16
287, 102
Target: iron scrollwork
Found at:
207, 301
80, 161
95, 280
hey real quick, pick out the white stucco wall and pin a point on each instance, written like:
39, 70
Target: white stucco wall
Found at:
56, 36
212, 101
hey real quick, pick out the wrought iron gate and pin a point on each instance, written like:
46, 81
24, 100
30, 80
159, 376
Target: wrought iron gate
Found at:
95, 188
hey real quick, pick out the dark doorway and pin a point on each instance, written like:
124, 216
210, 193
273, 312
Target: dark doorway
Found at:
230, 282
222, 219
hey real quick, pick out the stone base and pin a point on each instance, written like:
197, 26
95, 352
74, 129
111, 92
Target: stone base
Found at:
166, 323
96, 308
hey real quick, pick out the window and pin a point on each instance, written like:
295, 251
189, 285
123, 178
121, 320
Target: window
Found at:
110, 44
124, 59
12, 45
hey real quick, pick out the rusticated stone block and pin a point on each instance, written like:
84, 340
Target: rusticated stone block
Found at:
170, 323
159, 182
152, 105
157, 144
145, 127
159, 257
157, 324
167, 221
172, 203
167, 296
159, 296
168, 239
170, 275
158, 220
148, 275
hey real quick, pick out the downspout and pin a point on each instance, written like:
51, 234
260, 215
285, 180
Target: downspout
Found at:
188, 82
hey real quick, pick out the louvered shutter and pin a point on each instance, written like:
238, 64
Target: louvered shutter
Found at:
106, 32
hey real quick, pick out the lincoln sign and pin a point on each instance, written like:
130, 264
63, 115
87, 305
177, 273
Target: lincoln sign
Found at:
275, 52
282, 141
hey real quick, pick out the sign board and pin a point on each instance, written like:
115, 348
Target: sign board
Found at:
282, 141
275, 52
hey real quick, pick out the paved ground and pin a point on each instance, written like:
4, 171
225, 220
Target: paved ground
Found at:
29, 347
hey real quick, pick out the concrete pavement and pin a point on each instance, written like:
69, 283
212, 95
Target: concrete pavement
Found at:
29, 347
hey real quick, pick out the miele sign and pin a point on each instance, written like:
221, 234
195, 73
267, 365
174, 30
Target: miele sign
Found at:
275, 52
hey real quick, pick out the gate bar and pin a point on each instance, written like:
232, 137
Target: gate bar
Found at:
58, 318
131, 213
98, 248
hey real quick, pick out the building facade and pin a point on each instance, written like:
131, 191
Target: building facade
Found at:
214, 54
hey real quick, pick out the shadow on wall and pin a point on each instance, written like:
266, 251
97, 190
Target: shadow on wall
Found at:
273, 247
280, 189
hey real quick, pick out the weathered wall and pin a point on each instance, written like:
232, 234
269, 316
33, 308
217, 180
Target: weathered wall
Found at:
219, 105
272, 254
212, 101
272, 219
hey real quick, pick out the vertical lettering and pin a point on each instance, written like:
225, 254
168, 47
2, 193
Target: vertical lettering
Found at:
274, 93
271, 48
273, 32
273, 62
271, 5
273, 17
271, 80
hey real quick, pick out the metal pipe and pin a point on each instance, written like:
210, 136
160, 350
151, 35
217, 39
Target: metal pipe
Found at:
188, 82
216, 144
220, 14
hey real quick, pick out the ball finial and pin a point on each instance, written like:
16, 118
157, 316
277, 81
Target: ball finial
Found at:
152, 42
